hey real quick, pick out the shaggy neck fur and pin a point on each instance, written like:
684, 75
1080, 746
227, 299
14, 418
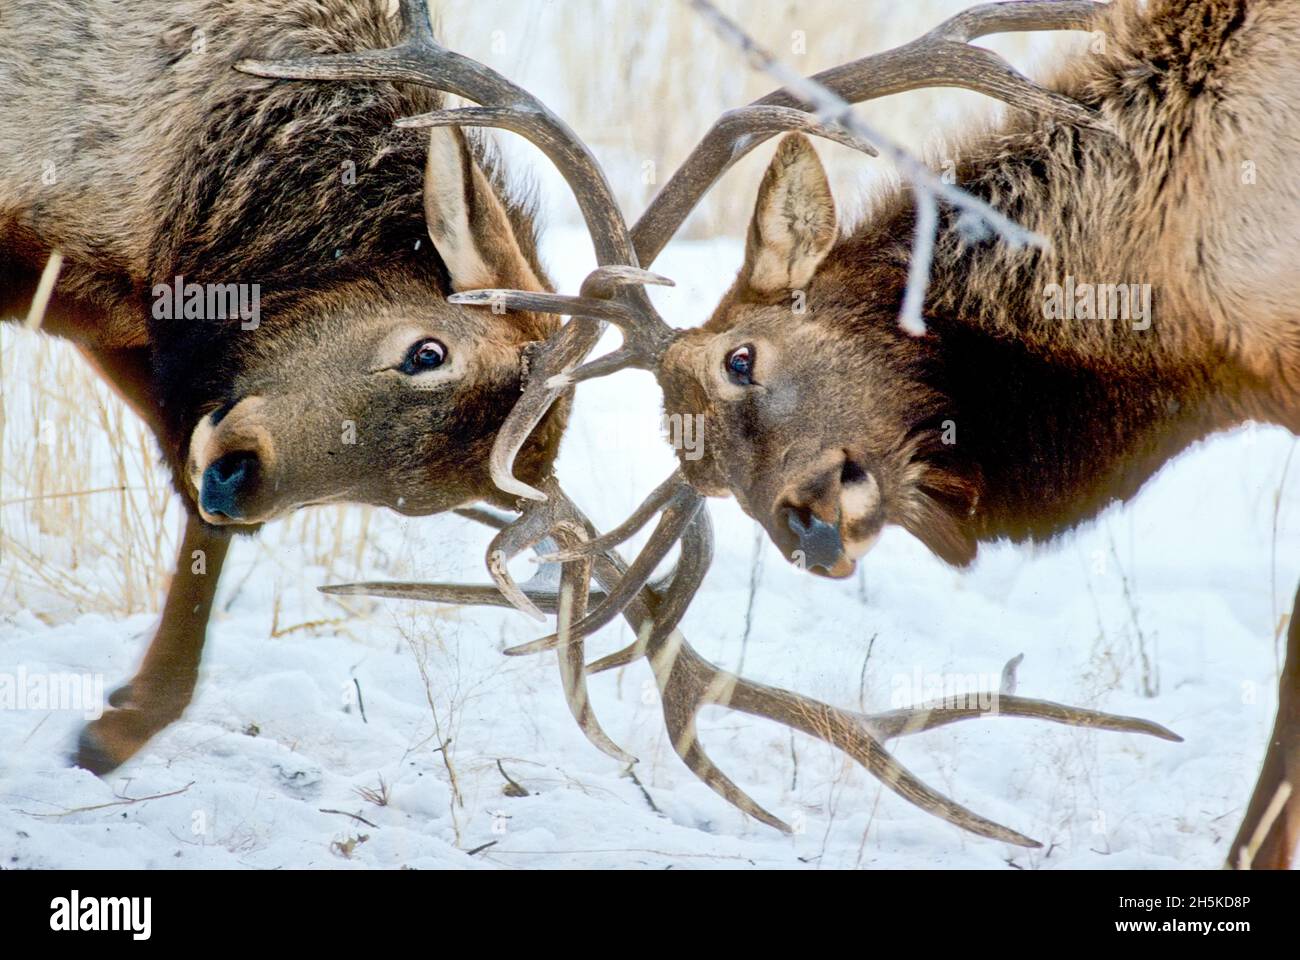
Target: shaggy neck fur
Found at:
1056, 418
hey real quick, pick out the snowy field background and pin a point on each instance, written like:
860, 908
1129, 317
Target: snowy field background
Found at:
1167, 608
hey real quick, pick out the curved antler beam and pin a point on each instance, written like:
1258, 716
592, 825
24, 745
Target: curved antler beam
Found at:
942, 57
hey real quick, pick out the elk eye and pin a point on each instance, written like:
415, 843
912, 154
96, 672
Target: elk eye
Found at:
740, 365
425, 355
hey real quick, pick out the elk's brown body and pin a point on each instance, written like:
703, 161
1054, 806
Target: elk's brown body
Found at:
130, 144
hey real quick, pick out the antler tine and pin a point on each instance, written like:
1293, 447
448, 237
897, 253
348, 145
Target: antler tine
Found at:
558, 303
486, 516
937, 713
419, 59
942, 57
940, 713
607, 280
673, 598
533, 525
621, 359
675, 486
458, 594
679, 515
768, 120
575, 584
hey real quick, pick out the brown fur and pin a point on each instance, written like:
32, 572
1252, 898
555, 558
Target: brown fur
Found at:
1001, 422
129, 143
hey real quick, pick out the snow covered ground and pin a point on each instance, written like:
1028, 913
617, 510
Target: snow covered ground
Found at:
1166, 609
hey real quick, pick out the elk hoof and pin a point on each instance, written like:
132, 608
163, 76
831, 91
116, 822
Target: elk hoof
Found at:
92, 754
117, 736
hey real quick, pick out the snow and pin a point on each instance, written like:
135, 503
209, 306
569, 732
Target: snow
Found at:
1165, 608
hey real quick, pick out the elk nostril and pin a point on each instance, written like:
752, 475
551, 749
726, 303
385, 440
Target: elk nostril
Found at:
219, 414
226, 482
851, 473
798, 519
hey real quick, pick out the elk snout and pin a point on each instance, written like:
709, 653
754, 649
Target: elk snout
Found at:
230, 452
228, 483
830, 516
819, 547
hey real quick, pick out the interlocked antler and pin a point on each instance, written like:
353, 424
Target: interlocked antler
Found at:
942, 57
688, 683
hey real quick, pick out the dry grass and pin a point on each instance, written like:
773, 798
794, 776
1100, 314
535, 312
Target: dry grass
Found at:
80, 488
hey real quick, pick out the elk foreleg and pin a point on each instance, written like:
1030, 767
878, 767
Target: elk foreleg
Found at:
1270, 833
164, 685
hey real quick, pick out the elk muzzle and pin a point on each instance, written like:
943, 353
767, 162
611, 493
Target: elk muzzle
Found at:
231, 458
829, 516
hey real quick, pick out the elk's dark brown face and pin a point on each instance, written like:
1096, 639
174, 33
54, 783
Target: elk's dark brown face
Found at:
388, 396
398, 407
817, 417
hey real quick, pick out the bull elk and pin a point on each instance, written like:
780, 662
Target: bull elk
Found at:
1158, 163
575, 553
159, 168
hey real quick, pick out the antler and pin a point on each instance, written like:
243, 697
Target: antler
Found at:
943, 57
688, 683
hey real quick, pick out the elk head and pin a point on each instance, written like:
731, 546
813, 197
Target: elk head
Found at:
379, 390
817, 412
462, 399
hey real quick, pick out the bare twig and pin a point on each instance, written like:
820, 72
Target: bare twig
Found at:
630, 773
513, 787
354, 816
44, 291
361, 703
122, 802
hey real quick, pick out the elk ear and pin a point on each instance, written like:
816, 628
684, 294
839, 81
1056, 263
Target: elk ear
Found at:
467, 221
794, 220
